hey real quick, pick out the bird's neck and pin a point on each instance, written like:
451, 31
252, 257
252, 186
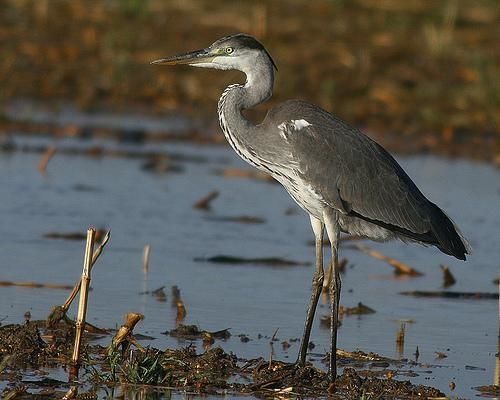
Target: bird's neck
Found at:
236, 98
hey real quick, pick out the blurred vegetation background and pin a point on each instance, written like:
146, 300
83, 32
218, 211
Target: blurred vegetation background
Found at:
421, 75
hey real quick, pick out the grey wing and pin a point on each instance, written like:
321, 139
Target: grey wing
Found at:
358, 177
348, 170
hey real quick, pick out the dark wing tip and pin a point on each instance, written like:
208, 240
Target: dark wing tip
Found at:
448, 236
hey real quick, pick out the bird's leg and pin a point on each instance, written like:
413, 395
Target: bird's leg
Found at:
333, 231
317, 284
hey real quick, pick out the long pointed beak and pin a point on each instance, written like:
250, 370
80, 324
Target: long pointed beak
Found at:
193, 57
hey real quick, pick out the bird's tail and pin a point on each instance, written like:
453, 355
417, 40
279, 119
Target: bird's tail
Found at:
449, 238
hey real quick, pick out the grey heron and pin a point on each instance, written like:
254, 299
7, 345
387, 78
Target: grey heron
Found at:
343, 179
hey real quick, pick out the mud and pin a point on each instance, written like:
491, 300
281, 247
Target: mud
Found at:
32, 346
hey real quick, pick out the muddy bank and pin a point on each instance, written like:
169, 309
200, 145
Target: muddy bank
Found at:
32, 346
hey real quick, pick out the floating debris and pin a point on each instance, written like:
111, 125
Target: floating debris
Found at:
272, 261
159, 294
244, 338
489, 390
448, 278
83, 187
36, 285
205, 202
452, 295
474, 368
100, 233
360, 309
161, 164
192, 332
399, 267
242, 219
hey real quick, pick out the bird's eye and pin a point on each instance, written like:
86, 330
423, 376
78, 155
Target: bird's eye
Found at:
229, 50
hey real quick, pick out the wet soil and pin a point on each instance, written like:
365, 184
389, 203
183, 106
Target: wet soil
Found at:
212, 371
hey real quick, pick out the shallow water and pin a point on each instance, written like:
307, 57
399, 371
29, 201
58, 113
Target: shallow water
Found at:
146, 208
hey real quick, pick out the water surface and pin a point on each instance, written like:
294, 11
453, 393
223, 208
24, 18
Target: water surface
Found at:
146, 208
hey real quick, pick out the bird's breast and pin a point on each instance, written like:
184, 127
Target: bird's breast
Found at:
302, 193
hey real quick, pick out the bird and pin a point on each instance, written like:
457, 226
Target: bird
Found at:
343, 179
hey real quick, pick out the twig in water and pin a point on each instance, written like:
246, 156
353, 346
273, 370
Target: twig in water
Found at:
272, 348
452, 295
145, 258
181, 311
45, 158
204, 202
59, 312
400, 339
448, 278
82, 306
176, 295
179, 304
399, 267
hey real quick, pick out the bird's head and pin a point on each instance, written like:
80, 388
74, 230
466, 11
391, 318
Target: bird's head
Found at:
239, 52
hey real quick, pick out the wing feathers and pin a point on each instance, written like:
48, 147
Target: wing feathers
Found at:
353, 173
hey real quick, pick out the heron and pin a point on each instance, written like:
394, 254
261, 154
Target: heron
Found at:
342, 178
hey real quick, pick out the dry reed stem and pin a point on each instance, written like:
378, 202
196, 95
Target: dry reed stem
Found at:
95, 256
124, 334
145, 258
400, 338
45, 158
82, 306
71, 393
448, 278
399, 267
271, 352
358, 356
59, 312
181, 312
